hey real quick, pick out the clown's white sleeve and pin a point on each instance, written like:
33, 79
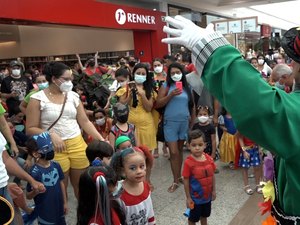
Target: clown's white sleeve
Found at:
205, 48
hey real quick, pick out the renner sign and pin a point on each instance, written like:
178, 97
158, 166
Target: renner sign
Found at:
122, 17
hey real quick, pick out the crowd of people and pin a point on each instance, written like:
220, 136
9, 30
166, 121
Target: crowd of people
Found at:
98, 126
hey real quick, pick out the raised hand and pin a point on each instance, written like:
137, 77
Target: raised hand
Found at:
185, 32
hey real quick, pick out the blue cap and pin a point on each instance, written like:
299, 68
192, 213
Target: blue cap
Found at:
43, 142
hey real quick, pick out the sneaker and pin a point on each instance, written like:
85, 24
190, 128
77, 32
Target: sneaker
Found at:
29, 219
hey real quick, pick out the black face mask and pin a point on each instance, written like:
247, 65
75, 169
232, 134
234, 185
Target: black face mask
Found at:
123, 118
122, 63
131, 63
48, 155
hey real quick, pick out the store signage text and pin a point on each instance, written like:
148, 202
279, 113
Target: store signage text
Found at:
122, 18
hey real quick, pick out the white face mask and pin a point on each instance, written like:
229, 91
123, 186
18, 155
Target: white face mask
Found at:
203, 119
66, 86
100, 122
158, 69
261, 61
139, 79
16, 72
176, 77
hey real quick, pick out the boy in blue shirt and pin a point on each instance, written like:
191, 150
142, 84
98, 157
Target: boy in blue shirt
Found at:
50, 206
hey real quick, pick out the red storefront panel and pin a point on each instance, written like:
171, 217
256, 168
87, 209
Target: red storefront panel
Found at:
92, 13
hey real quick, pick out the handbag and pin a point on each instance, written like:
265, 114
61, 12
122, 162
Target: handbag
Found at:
61, 112
7, 211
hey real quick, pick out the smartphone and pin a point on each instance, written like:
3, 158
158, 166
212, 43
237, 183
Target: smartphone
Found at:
131, 85
179, 85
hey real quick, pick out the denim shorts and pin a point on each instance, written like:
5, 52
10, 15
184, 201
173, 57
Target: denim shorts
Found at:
4, 193
175, 130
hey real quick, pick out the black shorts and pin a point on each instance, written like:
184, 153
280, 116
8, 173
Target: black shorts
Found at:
198, 211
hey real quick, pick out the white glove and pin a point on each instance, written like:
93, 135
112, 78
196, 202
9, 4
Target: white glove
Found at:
186, 33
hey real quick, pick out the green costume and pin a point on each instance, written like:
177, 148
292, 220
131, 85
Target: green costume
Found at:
265, 114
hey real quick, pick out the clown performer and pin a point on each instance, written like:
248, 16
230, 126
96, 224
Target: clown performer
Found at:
265, 114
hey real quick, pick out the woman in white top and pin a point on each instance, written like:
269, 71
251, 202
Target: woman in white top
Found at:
45, 107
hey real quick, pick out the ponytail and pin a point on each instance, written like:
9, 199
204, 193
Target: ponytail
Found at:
103, 201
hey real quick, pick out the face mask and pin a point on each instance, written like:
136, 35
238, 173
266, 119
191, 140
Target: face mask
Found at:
48, 156
66, 86
123, 118
261, 61
122, 63
43, 86
122, 84
176, 77
100, 122
275, 55
139, 78
131, 63
16, 72
20, 127
203, 119
280, 86
158, 69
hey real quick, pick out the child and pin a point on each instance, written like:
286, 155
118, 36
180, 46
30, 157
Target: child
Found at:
94, 204
209, 131
122, 142
80, 91
99, 153
136, 197
122, 127
50, 206
199, 179
250, 157
228, 140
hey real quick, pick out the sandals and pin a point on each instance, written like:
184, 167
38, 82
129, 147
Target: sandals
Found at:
248, 190
155, 154
173, 187
259, 189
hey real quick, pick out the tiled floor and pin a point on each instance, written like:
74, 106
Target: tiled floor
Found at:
169, 208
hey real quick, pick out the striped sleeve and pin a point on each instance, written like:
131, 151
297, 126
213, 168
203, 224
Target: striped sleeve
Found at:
205, 48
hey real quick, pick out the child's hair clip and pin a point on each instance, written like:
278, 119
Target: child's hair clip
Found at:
97, 162
98, 174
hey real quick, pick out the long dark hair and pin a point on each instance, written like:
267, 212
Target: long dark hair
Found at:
185, 84
54, 69
94, 196
148, 84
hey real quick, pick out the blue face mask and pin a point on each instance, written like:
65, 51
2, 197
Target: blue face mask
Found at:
139, 79
43, 86
280, 86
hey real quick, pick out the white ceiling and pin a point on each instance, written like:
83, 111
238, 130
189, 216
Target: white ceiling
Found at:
277, 13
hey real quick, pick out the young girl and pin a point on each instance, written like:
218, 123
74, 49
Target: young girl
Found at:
228, 140
250, 157
95, 207
136, 197
208, 129
102, 123
199, 179
122, 127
